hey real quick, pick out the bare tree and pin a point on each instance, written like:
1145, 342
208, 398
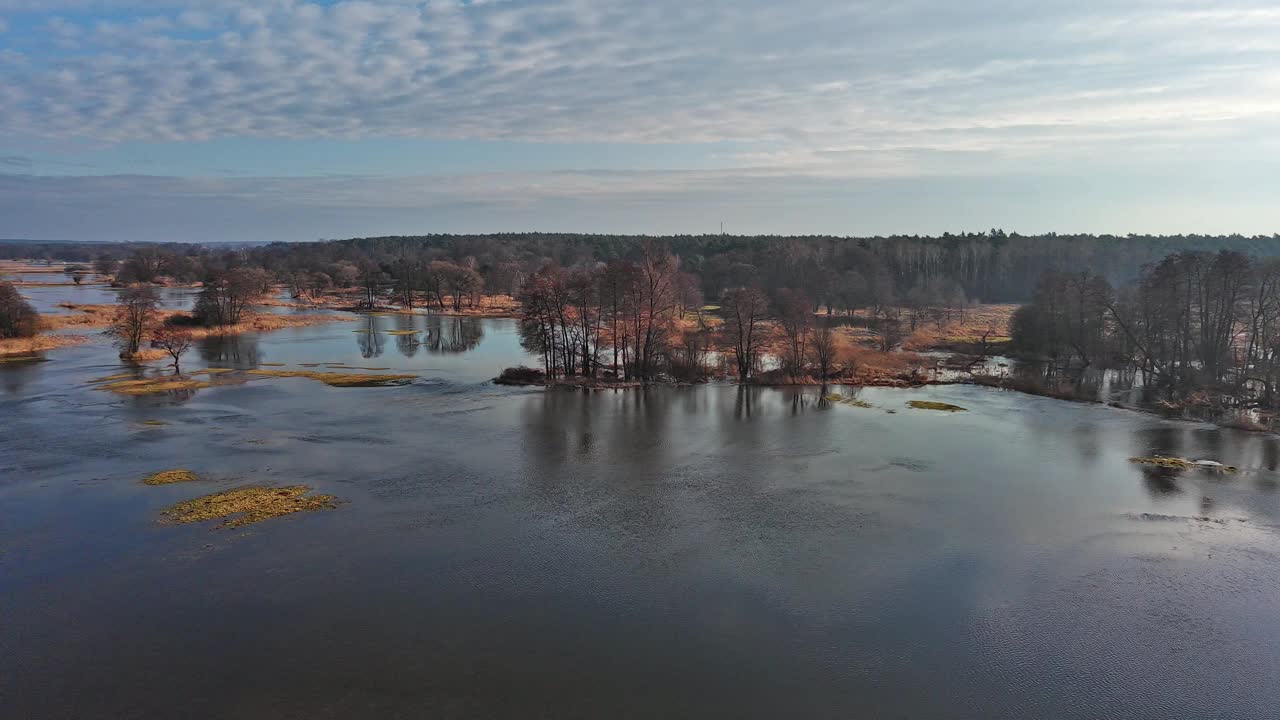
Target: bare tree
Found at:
795, 315
822, 349
745, 310
135, 317
174, 341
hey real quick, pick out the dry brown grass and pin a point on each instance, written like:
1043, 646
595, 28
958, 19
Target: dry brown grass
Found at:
267, 323
336, 379
39, 343
991, 320
22, 266
153, 385
99, 316
169, 477
248, 505
492, 306
145, 355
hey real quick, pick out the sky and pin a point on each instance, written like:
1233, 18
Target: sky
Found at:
252, 120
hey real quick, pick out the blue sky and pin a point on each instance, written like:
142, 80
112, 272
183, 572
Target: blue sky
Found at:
291, 120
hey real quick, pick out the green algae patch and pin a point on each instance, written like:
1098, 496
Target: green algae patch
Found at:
248, 505
337, 379
169, 477
403, 332
153, 423
930, 405
272, 364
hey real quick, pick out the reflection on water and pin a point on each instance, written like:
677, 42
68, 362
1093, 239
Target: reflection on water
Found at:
748, 551
433, 334
239, 352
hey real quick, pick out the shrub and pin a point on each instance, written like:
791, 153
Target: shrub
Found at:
17, 317
521, 376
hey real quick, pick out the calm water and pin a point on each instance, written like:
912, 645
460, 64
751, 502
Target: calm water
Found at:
46, 299
693, 552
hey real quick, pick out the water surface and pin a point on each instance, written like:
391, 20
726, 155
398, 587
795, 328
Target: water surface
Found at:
672, 552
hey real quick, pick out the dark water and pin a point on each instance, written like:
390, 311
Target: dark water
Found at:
692, 552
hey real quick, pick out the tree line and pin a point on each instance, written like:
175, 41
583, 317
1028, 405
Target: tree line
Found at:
643, 317
1195, 326
838, 272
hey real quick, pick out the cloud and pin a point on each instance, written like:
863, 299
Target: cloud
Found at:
10, 163
810, 77
859, 116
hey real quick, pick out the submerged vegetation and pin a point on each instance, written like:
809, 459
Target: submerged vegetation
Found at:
931, 405
1175, 463
336, 379
248, 505
21, 359
847, 400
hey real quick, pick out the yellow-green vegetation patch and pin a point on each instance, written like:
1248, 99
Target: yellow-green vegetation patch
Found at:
147, 386
117, 376
1175, 463
154, 423
213, 371
169, 477
16, 359
403, 332
248, 505
845, 400
336, 379
272, 364
309, 364
931, 405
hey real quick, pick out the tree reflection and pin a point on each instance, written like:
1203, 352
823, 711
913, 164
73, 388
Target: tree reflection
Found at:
241, 352
369, 339
450, 335
408, 345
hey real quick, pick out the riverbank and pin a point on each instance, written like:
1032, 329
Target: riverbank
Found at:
98, 317
19, 347
486, 306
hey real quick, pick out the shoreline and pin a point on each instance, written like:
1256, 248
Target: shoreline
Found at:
590, 384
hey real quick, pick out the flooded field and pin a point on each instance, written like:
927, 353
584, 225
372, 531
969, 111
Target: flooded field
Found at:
711, 551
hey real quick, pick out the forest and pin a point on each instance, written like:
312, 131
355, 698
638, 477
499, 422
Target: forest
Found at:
842, 272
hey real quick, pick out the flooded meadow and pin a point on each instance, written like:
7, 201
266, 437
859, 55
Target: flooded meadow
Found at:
713, 551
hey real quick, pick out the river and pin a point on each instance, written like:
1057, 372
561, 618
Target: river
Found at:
706, 551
